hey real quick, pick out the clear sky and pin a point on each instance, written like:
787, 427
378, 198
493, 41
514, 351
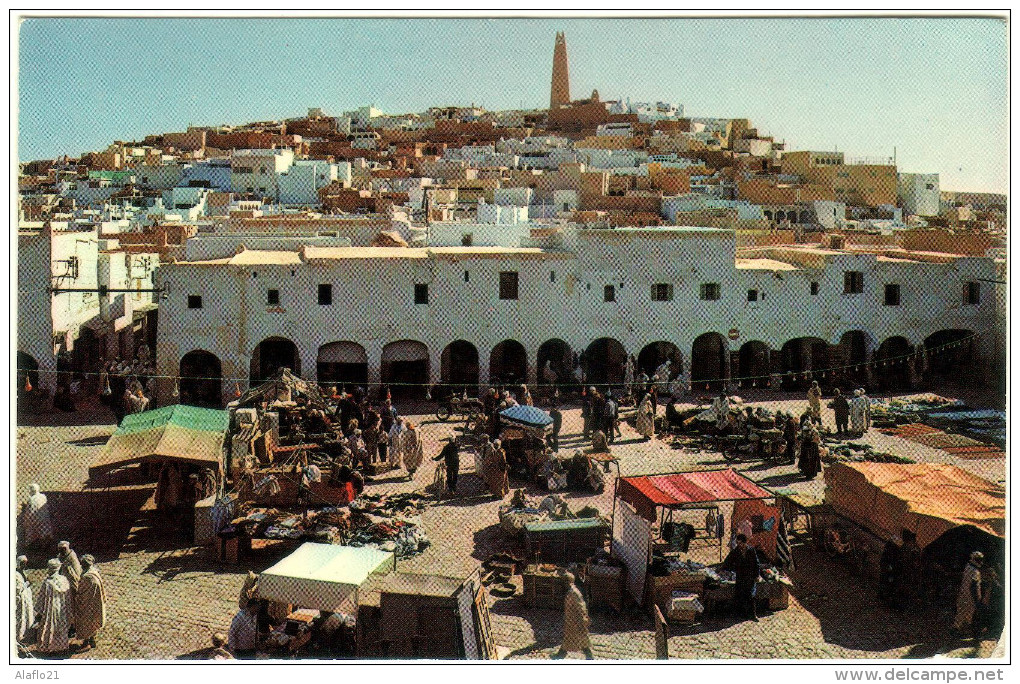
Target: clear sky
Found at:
934, 88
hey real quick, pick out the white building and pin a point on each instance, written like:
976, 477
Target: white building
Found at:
477, 315
257, 171
73, 306
918, 193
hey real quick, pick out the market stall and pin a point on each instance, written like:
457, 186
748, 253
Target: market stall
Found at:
316, 584
406, 615
650, 534
523, 436
190, 436
869, 504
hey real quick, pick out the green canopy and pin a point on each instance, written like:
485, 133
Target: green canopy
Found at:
186, 433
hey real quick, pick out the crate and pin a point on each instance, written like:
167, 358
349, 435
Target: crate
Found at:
565, 541
659, 590
543, 589
605, 586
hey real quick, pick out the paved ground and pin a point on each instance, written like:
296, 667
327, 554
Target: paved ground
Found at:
165, 601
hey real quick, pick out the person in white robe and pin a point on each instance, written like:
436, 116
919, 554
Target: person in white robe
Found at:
54, 622
867, 410
70, 567
413, 450
645, 421
662, 374
89, 603
24, 606
858, 412
969, 594
718, 413
37, 526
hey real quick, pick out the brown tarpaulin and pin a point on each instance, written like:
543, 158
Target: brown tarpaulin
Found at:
928, 499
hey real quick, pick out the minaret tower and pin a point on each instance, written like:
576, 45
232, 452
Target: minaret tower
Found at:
560, 91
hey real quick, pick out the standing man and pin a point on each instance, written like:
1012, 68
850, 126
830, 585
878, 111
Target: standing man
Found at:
814, 398
413, 450
90, 603
557, 425
37, 527
24, 606
54, 620
451, 456
969, 595
611, 421
858, 412
645, 418
586, 405
867, 410
70, 568
841, 407
575, 622
743, 560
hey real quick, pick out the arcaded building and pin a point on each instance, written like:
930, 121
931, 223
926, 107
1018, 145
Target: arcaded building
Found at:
476, 316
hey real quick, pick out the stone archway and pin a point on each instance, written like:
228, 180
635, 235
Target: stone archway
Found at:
405, 368
754, 364
201, 379
604, 362
508, 363
655, 354
270, 355
949, 351
802, 358
708, 361
340, 364
458, 367
891, 363
558, 355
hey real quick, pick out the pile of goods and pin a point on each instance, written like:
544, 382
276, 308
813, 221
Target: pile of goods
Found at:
857, 452
523, 510
387, 523
891, 412
325, 525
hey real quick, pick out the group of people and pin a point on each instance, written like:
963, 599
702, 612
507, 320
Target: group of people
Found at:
71, 602
600, 412
372, 433
853, 416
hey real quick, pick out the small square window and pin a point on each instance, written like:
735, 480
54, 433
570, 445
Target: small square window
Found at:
194, 301
892, 294
272, 297
421, 293
709, 292
853, 282
814, 287
508, 285
662, 292
466, 240
972, 293
752, 295
609, 294
325, 294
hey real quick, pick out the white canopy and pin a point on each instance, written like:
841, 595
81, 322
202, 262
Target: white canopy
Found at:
323, 576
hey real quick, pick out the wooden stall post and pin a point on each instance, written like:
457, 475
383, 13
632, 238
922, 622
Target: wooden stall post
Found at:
661, 636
